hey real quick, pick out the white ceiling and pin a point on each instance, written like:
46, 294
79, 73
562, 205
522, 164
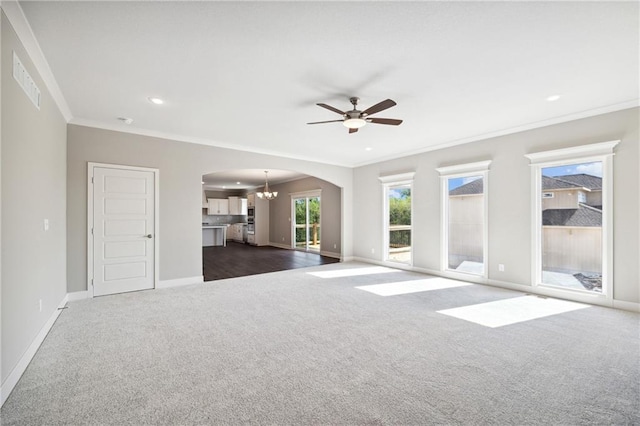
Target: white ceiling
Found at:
247, 178
247, 75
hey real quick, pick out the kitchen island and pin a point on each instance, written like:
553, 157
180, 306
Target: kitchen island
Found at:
214, 235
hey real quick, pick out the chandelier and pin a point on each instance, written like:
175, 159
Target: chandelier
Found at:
266, 194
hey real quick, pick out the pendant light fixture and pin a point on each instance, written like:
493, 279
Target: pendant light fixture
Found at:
266, 194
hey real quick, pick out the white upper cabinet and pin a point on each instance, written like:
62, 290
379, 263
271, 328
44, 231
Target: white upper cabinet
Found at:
233, 206
237, 206
218, 206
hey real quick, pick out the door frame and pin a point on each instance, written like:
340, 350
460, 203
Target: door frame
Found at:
156, 218
304, 194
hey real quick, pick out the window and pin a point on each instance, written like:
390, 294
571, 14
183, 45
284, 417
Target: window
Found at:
464, 217
397, 191
572, 231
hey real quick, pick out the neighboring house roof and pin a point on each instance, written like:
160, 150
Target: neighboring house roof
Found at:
572, 181
554, 183
582, 216
471, 188
584, 180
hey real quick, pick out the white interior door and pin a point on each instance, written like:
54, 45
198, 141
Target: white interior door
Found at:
123, 230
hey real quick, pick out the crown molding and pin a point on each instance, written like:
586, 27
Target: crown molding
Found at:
634, 103
196, 140
21, 26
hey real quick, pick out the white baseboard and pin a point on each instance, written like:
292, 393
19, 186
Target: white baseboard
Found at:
77, 295
626, 306
23, 363
322, 253
331, 254
278, 245
180, 282
592, 299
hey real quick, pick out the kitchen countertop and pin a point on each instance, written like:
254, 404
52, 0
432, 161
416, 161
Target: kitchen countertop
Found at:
215, 226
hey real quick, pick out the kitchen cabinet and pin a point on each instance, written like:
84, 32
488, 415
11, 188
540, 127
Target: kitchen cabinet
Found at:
251, 200
236, 232
218, 206
233, 206
237, 206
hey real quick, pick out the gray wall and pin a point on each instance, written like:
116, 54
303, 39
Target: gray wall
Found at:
509, 197
181, 168
33, 188
330, 207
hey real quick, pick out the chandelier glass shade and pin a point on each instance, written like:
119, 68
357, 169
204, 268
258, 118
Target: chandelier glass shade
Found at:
266, 193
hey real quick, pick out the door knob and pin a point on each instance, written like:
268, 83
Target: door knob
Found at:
149, 236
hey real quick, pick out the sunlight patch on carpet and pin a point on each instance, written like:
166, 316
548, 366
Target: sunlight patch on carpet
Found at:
512, 311
417, 286
339, 273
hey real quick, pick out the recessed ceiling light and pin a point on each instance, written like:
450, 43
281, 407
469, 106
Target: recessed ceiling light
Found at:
368, 148
237, 183
223, 187
156, 101
553, 98
202, 182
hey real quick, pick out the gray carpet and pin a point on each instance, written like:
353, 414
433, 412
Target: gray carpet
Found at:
291, 348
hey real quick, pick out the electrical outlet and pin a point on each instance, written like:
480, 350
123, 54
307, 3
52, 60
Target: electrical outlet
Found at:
335, 246
40, 304
373, 251
46, 224
282, 238
500, 267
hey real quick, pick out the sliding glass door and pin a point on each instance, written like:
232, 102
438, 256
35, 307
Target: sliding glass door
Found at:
306, 226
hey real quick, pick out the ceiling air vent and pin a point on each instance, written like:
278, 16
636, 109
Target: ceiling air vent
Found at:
25, 81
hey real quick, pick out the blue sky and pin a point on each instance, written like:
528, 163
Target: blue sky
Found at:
594, 169
396, 192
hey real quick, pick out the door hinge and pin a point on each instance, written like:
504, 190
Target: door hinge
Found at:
91, 179
91, 282
91, 231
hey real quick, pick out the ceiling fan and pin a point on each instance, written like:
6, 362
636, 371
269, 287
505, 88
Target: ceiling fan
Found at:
355, 119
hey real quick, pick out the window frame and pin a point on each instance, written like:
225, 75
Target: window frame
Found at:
388, 182
598, 152
480, 168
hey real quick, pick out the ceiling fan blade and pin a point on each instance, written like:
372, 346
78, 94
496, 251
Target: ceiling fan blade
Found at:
379, 107
390, 121
330, 108
352, 130
330, 121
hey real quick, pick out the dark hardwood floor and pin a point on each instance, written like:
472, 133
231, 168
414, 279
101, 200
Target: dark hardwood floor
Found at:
239, 260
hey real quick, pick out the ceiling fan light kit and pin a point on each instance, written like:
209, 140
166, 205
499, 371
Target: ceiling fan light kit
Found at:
354, 123
355, 118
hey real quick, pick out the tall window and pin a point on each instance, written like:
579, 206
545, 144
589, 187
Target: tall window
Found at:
464, 218
397, 212
572, 234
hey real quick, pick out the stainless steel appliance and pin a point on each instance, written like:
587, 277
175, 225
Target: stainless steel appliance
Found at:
251, 225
